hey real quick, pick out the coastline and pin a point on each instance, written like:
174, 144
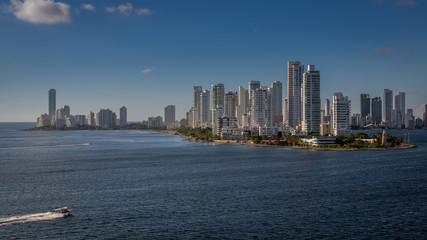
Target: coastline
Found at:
314, 148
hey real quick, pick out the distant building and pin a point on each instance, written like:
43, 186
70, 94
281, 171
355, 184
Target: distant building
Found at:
294, 101
224, 122
43, 120
276, 88
376, 110
197, 90
63, 112
325, 129
340, 115
230, 102
155, 122
387, 105
205, 107
91, 119
418, 123
311, 102
80, 120
170, 116
261, 107
52, 104
105, 118
217, 95
327, 108
365, 105
242, 104
399, 110
123, 116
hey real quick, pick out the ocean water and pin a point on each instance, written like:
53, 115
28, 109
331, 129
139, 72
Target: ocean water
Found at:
147, 185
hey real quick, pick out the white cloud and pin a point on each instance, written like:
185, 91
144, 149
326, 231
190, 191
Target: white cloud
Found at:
41, 11
147, 70
143, 11
127, 9
124, 9
88, 6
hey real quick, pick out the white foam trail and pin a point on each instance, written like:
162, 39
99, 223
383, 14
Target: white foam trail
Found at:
30, 218
50, 146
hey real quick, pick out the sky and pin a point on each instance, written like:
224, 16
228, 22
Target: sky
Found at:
146, 55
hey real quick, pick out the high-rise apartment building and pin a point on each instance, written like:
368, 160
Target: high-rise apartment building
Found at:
295, 77
242, 104
105, 118
170, 116
217, 95
252, 86
376, 110
230, 104
399, 110
197, 90
327, 107
123, 116
155, 122
91, 119
340, 115
276, 88
205, 108
387, 105
261, 114
285, 112
365, 105
311, 102
52, 104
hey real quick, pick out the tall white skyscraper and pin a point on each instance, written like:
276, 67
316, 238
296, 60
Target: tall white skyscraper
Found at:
52, 104
205, 107
261, 106
276, 88
340, 115
295, 77
285, 112
170, 116
387, 105
197, 90
242, 104
311, 102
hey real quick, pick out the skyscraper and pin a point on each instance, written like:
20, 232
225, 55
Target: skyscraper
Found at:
327, 108
205, 108
277, 100
261, 114
425, 117
340, 115
123, 116
230, 104
52, 104
242, 104
217, 95
252, 86
376, 110
311, 102
387, 105
365, 105
295, 77
170, 116
91, 119
196, 105
399, 109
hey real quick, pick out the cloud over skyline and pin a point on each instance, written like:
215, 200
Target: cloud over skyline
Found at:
41, 11
88, 6
147, 70
127, 9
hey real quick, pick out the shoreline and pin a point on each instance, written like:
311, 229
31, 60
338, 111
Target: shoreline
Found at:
314, 148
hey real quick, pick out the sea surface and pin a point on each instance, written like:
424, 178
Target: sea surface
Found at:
148, 185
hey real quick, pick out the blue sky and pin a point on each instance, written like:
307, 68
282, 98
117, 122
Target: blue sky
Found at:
94, 53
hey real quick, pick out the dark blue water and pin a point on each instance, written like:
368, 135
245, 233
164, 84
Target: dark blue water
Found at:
131, 184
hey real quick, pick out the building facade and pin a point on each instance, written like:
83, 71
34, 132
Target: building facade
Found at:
311, 102
170, 116
294, 108
340, 115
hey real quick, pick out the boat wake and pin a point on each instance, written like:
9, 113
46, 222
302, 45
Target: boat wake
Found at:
47, 216
50, 146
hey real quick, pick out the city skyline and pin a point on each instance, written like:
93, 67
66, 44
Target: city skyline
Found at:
95, 57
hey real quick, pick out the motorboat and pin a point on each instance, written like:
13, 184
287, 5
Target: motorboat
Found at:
65, 211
